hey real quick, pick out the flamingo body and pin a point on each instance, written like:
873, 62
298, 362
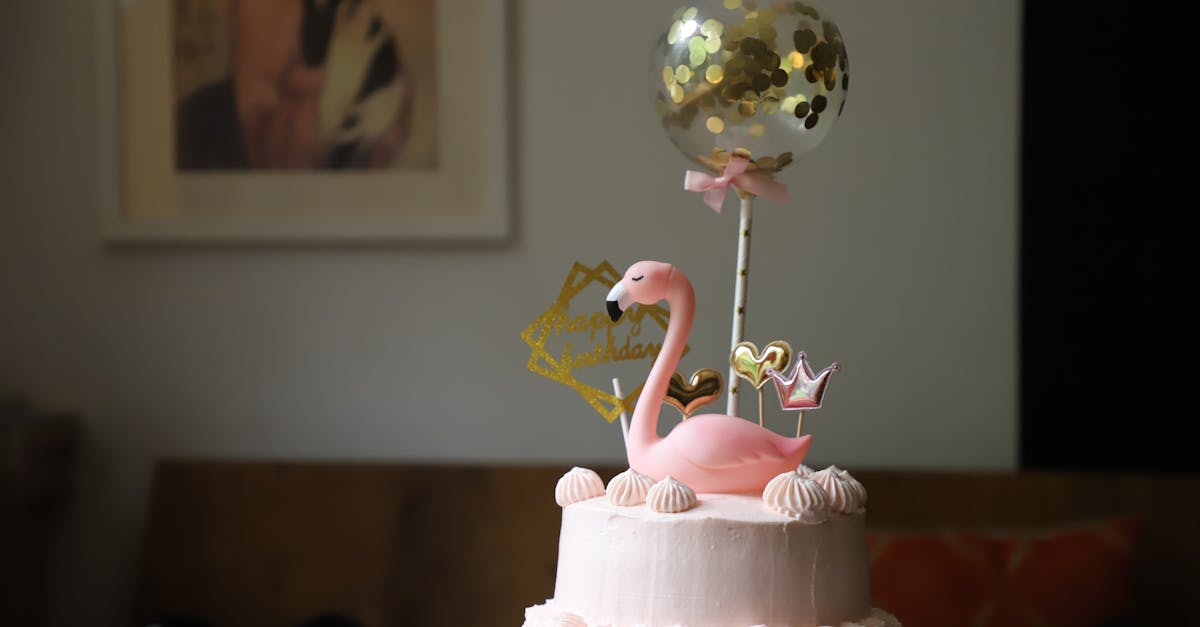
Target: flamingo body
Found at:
719, 453
710, 452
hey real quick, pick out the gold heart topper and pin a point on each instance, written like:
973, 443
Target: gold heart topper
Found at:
752, 366
703, 388
603, 341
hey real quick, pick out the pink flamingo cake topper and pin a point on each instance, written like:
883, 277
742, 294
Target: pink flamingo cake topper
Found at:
710, 452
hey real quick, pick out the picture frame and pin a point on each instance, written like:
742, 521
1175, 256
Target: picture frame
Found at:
465, 195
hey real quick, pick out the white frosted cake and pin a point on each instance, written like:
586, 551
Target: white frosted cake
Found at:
796, 556
766, 542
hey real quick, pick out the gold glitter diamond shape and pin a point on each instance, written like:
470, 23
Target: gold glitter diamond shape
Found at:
562, 368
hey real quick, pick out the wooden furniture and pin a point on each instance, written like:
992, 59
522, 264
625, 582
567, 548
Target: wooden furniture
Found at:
276, 544
37, 461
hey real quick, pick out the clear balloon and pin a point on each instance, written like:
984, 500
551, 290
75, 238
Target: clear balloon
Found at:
766, 80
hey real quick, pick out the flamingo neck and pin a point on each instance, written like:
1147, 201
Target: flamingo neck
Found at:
682, 300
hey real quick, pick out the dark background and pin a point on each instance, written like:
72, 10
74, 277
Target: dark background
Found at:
1106, 254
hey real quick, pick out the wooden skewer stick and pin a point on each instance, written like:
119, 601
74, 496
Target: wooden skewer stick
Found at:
760, 410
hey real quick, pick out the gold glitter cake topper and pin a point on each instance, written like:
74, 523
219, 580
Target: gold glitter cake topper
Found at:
606, 341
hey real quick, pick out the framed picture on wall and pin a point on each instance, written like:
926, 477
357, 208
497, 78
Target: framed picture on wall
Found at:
308, 120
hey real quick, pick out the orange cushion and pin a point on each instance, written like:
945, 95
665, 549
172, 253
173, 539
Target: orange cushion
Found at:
1071, 576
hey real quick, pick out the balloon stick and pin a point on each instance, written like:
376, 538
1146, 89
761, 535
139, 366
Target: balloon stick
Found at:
739, 298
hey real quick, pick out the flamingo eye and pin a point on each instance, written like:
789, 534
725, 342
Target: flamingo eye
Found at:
638, 278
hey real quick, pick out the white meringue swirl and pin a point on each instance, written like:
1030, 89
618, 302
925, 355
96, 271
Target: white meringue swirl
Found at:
579, 484
844, 497
857, 487
798, 497
629, 488
670, 497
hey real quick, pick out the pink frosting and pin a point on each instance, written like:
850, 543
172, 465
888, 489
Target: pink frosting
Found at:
857, 488
727, 562
579, 484
846, 495
548, 615
670, 497
629, 488
797, 497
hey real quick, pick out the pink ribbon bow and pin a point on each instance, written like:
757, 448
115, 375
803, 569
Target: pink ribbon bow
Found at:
715, 187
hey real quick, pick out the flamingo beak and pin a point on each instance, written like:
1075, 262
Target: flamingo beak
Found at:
618, 301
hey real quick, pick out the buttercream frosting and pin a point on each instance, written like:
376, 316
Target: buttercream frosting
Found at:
797, 497
844, 497
546, 615
857, 488
629, 488
549, 615
670, 497
578, 484
729, 561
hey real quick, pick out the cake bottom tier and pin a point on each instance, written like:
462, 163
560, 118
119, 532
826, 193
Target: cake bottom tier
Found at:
728, 562
549, 615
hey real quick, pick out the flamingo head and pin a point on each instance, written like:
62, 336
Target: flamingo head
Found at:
645, 283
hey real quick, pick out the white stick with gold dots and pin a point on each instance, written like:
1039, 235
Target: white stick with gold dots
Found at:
740, 285
624, 417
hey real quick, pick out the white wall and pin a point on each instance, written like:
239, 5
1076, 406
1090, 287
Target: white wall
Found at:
906, 248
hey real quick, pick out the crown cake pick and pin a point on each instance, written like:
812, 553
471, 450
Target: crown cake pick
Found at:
802, 390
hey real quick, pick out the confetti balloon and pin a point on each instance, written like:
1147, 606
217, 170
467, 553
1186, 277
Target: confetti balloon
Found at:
767, 79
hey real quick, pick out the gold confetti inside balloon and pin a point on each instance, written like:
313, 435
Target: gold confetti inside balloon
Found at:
768, 78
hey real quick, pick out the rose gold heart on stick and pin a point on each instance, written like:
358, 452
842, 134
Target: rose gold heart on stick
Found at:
753, 366
702, 388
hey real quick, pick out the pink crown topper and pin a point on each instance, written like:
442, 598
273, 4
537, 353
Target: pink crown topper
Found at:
802, 390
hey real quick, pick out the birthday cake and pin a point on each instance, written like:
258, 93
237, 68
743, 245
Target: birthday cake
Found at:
795, 556
718, 523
